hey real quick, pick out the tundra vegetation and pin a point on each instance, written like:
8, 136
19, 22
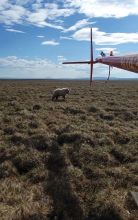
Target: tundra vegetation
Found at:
69, 159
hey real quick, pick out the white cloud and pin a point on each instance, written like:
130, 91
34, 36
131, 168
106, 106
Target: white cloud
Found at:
103, 38
3, 4
49, 43
49, 11
104, 8
41, 14
65, 38
11, 57
59, 21
37, 13
38, 16
38, 68
44, 24
61, 58
54, 11
13, 30
108, 49
14, 62
40, 36
79, 24
12, 14
36, 6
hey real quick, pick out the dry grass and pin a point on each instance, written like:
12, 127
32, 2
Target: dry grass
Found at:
68, 159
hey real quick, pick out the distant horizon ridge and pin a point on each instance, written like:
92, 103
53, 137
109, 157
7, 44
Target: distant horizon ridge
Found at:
79, 78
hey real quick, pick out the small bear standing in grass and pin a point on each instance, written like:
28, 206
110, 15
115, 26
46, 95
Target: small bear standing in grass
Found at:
60, 92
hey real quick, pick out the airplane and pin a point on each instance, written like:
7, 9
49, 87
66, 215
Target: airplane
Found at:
126, 61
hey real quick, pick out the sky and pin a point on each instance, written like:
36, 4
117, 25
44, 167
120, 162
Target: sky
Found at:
36, 36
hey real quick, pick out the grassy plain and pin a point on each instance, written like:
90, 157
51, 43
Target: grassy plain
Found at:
68, 159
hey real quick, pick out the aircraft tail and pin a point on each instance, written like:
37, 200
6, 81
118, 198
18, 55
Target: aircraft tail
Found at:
86, 62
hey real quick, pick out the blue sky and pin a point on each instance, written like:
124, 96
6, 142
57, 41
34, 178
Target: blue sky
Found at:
36, 36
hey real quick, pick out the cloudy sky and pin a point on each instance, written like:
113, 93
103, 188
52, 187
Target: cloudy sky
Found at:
36, 36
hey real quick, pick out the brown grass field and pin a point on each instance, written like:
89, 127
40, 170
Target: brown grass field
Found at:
68, 159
